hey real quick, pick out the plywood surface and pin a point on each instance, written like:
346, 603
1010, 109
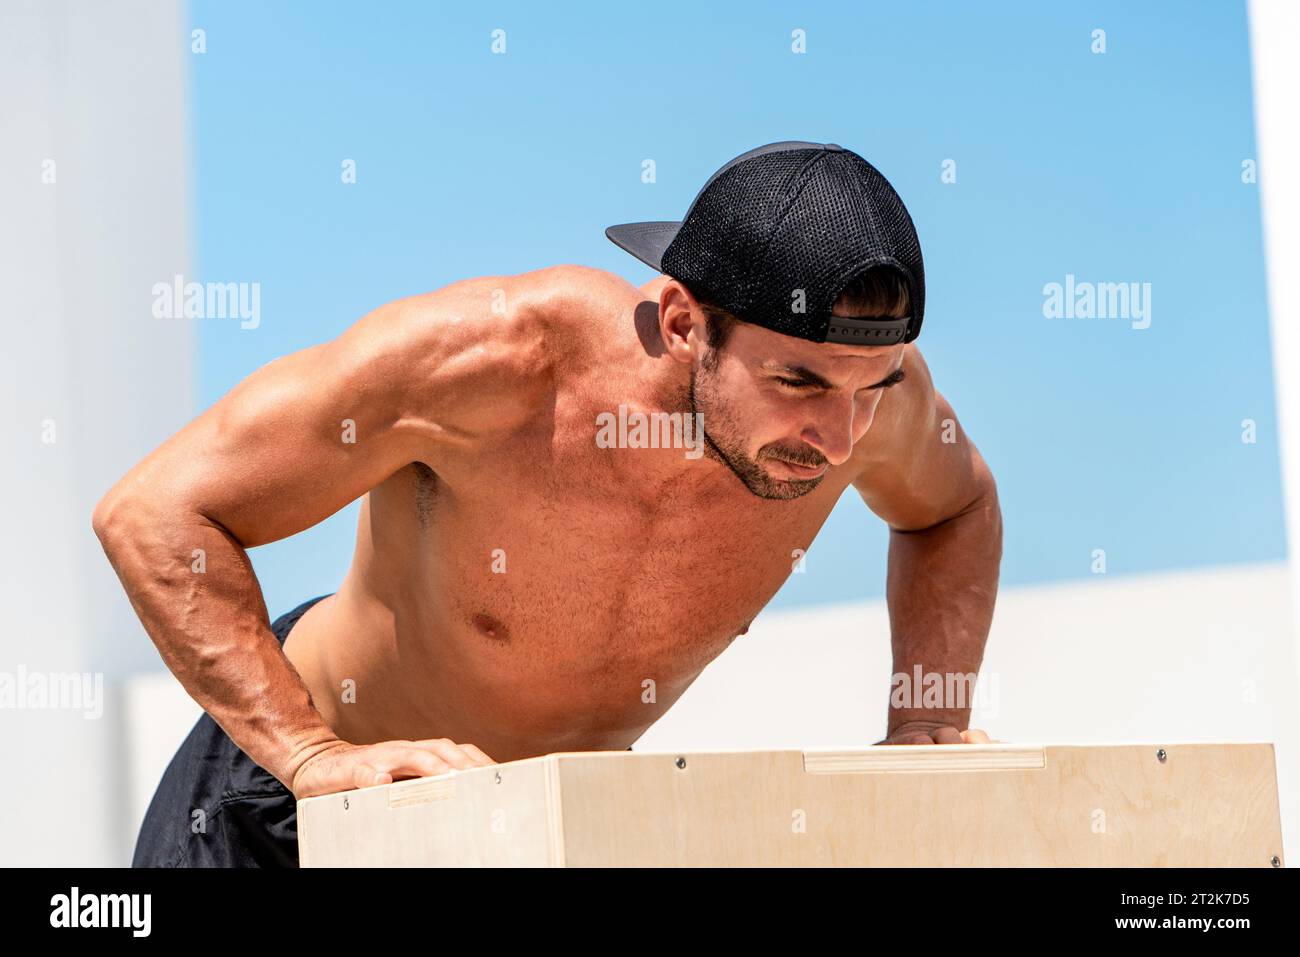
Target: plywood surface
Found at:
980, 805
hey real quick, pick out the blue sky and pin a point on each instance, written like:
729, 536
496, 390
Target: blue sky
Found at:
1118, 167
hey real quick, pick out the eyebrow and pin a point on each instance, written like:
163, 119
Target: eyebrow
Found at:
812, 378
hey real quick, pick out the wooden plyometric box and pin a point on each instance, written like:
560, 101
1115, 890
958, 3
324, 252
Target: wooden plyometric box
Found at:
1129, 805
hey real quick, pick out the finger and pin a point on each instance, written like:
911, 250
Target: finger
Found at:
410, 761
476, 758
449, 751
946, 736
911, 737
478, 755
363, 775
975, 736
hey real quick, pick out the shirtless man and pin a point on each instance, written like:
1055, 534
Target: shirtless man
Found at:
515, 581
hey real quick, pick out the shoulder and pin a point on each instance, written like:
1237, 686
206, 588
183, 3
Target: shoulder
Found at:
490, 346
516, 315
916, 466
577, 303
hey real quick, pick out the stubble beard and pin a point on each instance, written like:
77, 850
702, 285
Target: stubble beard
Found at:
717, 426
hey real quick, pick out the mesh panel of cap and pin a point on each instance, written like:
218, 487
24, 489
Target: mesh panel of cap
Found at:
809, 219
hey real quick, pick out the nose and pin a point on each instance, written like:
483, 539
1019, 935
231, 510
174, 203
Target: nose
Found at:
838, 424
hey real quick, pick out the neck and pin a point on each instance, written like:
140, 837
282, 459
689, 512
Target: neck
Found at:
670, 451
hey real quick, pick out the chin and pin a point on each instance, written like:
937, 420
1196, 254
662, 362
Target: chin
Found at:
783, 489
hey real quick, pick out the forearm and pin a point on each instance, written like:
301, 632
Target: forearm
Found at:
193, 587
942, 585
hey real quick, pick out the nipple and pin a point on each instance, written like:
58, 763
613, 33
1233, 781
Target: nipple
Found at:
491, 628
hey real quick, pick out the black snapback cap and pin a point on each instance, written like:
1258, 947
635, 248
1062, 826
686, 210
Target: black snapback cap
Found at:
776, 234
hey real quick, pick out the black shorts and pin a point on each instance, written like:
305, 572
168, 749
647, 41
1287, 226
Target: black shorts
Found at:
216, 807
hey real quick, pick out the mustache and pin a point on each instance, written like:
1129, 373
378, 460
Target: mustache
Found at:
801, 455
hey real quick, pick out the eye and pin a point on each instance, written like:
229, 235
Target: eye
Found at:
792, 383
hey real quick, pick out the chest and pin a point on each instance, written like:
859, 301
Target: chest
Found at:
581, 555
573, 550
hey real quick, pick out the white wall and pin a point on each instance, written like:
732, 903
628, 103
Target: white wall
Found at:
100, 89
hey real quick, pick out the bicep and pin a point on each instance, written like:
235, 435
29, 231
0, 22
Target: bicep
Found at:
917, 466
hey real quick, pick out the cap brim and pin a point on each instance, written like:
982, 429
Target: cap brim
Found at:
645, 241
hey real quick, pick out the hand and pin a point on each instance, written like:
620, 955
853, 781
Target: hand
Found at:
934, 732
344, 766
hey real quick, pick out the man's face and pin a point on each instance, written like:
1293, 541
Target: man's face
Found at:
779, 411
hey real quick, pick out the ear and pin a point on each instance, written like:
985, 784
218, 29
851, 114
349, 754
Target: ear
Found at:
681, 322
